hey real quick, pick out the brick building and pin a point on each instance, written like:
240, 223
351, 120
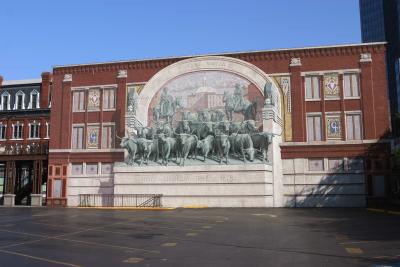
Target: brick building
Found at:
330, 104
24, 139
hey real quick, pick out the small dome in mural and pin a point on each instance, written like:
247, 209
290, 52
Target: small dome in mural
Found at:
205, 89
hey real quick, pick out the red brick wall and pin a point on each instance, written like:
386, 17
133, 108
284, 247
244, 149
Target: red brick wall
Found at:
373, 103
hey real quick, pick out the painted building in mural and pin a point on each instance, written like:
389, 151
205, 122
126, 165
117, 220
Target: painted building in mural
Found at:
290, 127
24, 140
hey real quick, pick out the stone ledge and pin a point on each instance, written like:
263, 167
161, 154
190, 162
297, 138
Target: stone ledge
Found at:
192, 168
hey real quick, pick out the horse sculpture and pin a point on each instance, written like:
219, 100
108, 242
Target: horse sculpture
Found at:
244, 106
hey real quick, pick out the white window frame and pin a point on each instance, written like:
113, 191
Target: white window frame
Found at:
113, 132
34, 123
76, 109
314, 114
19, 93
34, 92
358, 112
318, 76
358, 83
47, 130
115, 102
83, 136
8, 96
3, 126
22, 131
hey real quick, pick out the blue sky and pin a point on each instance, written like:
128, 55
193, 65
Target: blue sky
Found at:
36, 35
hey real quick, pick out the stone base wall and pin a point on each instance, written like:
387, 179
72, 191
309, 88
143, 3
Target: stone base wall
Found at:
211, 186
103, 184
324, 188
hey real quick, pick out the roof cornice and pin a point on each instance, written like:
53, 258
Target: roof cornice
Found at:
332, 50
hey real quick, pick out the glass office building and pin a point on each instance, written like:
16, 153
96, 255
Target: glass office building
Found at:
380, 22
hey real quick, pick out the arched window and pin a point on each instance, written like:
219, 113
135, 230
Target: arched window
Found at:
5, 101
34, 99
19, 100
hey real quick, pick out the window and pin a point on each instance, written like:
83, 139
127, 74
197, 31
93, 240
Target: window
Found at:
314, 129
19, 100
106, 168
5, 101
34, 130
18, 130
34, 99
108, 137
2, 131
47, 129
108, 99
316, 164
351, 87
336, 165
77, 137
77, 169
57, 188
312, 87
78, 100
355, 164
92, 168
353, 127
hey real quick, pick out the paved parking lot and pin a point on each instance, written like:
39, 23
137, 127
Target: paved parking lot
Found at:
198, 237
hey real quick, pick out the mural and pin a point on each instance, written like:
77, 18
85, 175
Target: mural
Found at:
210, 91
212, 114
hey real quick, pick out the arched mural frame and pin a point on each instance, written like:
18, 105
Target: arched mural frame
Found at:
206, 63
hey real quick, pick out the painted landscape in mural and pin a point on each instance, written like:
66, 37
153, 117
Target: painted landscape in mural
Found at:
210, 92
205, 116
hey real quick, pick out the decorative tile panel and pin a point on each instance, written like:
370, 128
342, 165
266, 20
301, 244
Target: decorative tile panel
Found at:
92, 137
94, 99
283, 83
333, 127
331, 85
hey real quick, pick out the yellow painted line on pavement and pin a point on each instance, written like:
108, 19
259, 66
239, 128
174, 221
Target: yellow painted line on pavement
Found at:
171, 244
124, 208
385, 211
376, 210
357, 242
39, 258
354, 250
191, 234
133, 260
265, 214
341, 237
195, 207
